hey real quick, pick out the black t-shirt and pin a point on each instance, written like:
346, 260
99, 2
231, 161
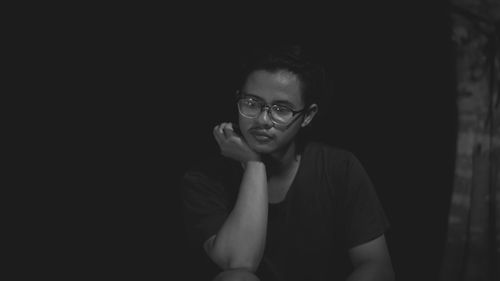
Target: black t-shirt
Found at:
331, 206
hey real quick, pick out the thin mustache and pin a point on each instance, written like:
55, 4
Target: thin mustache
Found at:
258, 130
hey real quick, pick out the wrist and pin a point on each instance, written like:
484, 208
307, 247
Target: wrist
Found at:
254, 158
252, 162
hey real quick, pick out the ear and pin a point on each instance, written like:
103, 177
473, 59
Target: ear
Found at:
311, 112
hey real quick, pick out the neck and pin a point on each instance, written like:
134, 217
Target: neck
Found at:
281, 161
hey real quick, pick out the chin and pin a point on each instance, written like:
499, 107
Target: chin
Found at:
265, 148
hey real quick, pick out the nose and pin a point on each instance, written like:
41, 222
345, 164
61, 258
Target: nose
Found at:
264, 118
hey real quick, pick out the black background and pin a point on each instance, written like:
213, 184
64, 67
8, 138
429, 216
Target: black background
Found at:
150, 85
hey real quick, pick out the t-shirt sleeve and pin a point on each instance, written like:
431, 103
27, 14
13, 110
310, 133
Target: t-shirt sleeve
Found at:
366, 219
205, 206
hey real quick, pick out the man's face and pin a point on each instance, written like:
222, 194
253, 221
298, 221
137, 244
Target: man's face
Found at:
282, 88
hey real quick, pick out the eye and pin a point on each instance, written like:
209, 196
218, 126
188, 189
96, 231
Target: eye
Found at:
281, 109
251, 102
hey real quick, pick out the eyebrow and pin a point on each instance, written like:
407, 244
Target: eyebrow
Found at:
280, 102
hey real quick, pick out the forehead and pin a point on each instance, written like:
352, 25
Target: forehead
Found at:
281, 85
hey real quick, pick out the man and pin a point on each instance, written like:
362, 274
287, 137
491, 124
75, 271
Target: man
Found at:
273, 207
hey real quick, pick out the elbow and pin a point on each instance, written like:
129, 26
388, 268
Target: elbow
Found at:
232, 263
244, 265
230, 259
373, 271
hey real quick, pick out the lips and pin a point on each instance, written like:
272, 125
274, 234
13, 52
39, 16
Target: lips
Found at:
261, 136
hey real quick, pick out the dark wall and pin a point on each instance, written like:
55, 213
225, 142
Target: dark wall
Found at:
157, 87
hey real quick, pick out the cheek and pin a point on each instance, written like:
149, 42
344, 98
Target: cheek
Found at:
288, 135
244, 124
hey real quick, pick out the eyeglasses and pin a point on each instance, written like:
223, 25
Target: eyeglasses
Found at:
251, 107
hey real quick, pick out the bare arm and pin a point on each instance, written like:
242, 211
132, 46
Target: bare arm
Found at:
240, 241
371, 261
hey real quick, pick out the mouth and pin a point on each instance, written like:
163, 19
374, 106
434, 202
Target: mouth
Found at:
261, 136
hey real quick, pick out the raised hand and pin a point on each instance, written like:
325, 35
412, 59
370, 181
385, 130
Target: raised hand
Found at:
232, 145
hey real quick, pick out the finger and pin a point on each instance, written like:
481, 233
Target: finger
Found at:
221, 128
228, 131
217, 135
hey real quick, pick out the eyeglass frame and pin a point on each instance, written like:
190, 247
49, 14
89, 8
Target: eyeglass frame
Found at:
240, 95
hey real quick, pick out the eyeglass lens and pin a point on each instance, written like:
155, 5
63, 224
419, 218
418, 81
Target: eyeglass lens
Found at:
252, 109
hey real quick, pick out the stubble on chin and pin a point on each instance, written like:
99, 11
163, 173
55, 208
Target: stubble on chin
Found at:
263, 148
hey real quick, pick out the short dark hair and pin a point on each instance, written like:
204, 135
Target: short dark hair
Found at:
290, 57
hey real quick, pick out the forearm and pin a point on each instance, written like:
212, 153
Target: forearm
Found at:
241, 240
372, 272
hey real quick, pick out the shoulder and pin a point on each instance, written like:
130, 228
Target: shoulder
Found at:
332, 155
337, 163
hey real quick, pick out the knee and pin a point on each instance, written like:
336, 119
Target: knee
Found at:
236, 275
